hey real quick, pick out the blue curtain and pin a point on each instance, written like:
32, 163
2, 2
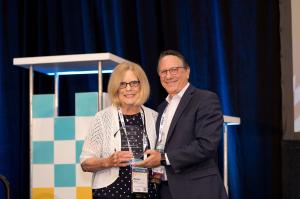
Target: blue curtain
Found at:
233, 49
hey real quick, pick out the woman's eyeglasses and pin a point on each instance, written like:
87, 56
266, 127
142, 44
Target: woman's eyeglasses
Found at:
132, 84
172, 71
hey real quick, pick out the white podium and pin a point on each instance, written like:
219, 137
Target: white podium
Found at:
55, 168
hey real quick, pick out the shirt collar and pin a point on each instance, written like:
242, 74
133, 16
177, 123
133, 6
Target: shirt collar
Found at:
178, 95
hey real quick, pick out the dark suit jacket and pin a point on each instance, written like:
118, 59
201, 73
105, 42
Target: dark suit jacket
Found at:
192, 144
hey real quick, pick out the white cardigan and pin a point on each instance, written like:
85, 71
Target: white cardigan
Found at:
100, 142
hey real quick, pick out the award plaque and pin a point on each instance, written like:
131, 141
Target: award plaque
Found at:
136, 141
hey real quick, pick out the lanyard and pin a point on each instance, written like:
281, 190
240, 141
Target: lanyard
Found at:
145, 137
161, 125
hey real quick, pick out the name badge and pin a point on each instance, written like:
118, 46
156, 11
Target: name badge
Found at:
139, 180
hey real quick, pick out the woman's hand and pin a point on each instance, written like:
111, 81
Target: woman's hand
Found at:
119, 159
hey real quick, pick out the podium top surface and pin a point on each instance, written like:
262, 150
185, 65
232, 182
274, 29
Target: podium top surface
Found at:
230, 120
67, 63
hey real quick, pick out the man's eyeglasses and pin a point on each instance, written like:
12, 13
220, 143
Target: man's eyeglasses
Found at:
172, 71
132, 84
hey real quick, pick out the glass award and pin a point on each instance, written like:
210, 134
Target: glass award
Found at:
135, 141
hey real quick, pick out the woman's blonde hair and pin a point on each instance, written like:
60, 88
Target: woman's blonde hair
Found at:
116, 78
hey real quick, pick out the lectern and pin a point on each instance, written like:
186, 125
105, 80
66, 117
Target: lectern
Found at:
55, 141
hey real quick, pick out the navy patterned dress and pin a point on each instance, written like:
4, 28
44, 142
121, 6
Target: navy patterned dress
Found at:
121, 188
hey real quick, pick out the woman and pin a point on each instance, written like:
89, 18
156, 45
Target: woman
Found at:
109, 147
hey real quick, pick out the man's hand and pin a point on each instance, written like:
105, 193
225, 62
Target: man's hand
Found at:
150, 162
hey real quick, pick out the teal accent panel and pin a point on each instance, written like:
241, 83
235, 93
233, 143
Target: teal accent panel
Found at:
86, 104
43, 152
42, 105
64, 175
79, 144
64, 128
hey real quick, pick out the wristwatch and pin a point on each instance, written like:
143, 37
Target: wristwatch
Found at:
163, 161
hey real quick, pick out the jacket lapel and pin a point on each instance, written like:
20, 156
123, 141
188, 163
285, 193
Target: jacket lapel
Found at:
181, 106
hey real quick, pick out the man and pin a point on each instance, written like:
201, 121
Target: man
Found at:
189, 129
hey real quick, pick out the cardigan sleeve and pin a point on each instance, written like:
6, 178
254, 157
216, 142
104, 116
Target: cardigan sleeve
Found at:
93, 142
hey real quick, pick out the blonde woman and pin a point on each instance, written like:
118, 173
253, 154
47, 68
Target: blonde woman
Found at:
108, 148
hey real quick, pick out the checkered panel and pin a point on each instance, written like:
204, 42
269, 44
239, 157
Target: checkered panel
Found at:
65, 152
42, 152
64, 175
82, 126
56, 146
83, 192
45, 193
64, 128
42, 175
79, 144
86, 104
42, 129
62, 193
83, 179
42, 105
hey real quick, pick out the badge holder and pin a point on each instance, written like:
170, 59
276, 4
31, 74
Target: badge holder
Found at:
139, 175
139, 178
